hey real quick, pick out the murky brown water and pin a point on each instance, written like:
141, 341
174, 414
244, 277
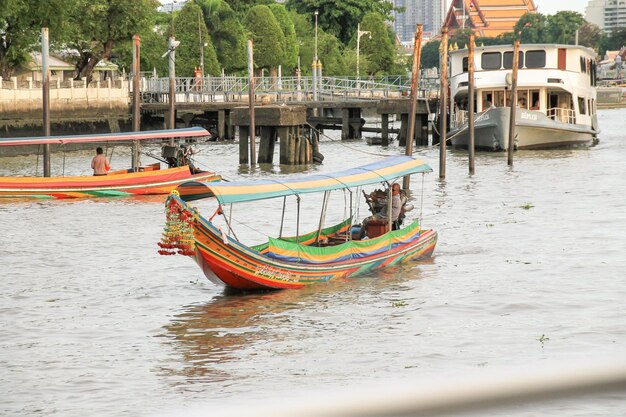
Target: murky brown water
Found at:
94, 322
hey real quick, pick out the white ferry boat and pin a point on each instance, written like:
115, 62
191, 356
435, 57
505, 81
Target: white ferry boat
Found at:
556, 96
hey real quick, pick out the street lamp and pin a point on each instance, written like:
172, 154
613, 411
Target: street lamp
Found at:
360, 33
316, 13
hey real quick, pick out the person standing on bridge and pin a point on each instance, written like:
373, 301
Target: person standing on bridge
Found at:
99, 163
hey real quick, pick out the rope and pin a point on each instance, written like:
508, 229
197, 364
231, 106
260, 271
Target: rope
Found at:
343, 144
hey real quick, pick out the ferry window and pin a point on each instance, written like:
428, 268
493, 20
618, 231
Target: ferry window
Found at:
487, 99
499, 99
581, 105
535, 59
491, 60
534, 100
465, 64
522, 99
507, 60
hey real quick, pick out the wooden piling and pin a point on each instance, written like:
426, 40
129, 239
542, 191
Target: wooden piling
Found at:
136, 99
384, 129
513, 102
251, 102
221, 124
172, 87
45, 94
443, 103
470, 110
417, 53
345, 124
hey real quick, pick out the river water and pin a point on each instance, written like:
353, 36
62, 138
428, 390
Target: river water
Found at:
529, 270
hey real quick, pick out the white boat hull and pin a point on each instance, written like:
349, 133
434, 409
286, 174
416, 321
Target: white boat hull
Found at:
533, 130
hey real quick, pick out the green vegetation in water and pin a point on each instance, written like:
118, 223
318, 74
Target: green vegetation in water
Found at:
543, 339
527, 206
400, 303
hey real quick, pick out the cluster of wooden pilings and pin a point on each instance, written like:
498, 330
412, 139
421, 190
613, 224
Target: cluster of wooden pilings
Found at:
286, 124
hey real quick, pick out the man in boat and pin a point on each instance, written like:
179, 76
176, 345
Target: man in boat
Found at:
377, 201
99, 163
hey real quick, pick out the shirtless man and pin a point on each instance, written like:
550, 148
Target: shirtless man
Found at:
99, 163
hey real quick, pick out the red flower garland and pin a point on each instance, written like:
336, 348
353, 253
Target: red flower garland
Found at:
178, 232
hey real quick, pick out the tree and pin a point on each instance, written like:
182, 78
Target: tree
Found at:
532, 28
460, 38
590, 35
267, 37
227, 33
430, 54
378, 48
286, 24
20, 29
96, 27
193, 34
563, 25
241, 7
340, 17
613, 41
330, 55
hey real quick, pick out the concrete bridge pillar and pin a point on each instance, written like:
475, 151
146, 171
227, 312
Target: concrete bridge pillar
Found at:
274, 122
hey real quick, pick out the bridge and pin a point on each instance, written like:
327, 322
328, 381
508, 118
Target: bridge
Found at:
283, 89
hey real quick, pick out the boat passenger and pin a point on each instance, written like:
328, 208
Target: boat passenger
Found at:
99, 163
381, 214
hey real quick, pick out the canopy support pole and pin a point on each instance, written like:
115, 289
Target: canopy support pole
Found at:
322, 216
282, 218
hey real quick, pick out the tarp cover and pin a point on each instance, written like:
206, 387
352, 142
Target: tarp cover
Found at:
386, 169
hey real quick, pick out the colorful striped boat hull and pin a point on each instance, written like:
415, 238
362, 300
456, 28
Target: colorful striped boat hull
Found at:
159, 181
225, 261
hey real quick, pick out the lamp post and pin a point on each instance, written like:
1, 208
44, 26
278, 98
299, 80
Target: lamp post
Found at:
316, 13
360, 33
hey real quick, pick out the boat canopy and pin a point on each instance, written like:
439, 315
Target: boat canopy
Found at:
107, 137
386, 169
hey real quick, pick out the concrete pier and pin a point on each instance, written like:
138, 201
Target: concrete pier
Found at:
274, 122
401, 106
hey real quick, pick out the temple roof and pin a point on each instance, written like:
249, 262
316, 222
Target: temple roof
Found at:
488, 18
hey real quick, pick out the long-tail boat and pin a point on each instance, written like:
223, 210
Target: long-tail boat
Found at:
143, 180
293, 262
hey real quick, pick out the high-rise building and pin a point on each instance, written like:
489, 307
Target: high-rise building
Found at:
606, 14
426, 12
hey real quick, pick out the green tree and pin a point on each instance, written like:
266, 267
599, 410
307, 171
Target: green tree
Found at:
378, 48
430, 54
192, 33
330, 55
590, 35
241, 7
532, 28
613, 41
20, 29
563, 25
267, 37
460, 38
227, 33
96, 27
291, 43
340, 17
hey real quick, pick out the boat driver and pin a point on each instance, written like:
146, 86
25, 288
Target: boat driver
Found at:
99, 163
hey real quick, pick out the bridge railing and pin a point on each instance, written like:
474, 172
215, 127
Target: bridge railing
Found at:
231, 88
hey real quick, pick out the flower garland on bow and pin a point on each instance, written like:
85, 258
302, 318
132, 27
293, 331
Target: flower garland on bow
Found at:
177, 235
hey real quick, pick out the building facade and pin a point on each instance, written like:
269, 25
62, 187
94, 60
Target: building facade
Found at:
606, 14
426, 12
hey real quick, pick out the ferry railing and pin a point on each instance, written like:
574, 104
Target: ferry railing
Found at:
562, 115
479, 392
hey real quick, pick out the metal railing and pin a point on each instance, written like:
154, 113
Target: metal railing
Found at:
231, 88
562, 115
